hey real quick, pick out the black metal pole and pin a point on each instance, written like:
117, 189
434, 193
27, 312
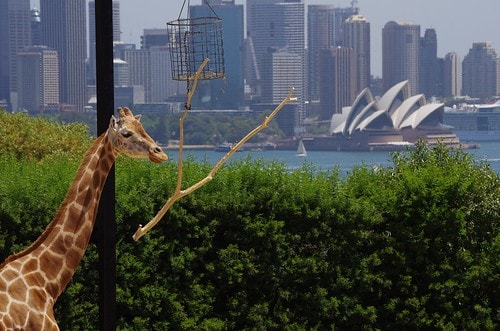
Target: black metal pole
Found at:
105, 234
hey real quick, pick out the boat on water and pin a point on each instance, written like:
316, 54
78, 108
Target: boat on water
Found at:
475, 122
301, 149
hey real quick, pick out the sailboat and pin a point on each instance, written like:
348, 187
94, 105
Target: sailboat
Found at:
301, 150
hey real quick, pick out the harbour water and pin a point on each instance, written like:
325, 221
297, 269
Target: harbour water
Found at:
320, 160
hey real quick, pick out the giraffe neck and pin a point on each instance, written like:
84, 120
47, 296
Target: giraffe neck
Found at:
62, 245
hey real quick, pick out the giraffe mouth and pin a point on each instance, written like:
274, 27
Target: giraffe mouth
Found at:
158, 157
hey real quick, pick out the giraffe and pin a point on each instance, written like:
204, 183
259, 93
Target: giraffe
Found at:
32, 280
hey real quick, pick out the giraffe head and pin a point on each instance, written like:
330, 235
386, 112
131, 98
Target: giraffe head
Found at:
131, 139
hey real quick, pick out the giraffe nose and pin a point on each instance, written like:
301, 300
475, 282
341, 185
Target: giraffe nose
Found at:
156, 154
155, 150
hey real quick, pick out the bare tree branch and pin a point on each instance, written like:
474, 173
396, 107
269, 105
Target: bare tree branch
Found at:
178, 193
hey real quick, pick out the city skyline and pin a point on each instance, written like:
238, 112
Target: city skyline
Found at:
457, 27
268, 16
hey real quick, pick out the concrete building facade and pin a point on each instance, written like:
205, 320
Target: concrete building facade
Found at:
64, 26
400, 54
480, 71
38, 79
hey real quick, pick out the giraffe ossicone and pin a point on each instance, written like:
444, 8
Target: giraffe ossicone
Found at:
32, 280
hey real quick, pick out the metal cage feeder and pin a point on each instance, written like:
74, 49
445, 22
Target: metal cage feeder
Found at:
193, 40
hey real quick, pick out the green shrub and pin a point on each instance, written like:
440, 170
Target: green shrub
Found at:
411, 246
35, 138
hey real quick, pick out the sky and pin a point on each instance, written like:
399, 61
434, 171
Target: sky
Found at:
458, 23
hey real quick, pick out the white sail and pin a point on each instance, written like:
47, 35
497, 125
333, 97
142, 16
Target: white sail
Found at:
301, 149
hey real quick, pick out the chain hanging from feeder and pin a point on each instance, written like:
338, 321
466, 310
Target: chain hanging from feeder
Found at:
191, 41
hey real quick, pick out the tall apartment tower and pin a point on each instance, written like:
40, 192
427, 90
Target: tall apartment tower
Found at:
400, 54
337, 80
429, 73
116, 37
227, 93
357, 36
276, 24
341, 14
15, 35
452, 75
154, 38
162, 83
283, 70
480, 71
38, 79
36, 27
320, 35
139, 66
64, 29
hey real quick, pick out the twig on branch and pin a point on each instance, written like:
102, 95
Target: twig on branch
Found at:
178, 193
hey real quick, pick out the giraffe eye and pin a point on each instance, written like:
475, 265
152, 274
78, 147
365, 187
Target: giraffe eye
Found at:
127, 134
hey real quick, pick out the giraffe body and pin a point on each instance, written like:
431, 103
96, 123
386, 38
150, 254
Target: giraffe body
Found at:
32, 280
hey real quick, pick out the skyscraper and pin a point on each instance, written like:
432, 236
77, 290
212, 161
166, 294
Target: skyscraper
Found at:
36, 28
162, 84
225, 93
452, 75
337, 80
283, 71
116, 36
38, 79
276, 24
154, 38
15, 35
320, 35
139, 64
400, 54
357, 36
340, 16
429, 74
480, 71
64, 29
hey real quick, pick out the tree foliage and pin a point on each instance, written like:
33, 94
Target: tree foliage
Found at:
411, 246
34, 138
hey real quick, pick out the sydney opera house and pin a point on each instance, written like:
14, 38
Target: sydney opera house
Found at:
393, 121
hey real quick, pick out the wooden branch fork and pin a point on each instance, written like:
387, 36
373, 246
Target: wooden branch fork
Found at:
179, 193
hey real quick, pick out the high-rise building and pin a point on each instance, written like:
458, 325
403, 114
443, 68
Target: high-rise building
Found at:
121, 75
400, 54
150, 69
92, 37
38, 79
283, 70
480, 71
36, 27
139, 64
276, 24
429, 73
154, 38
64, 29
320, 35
341, 14
162, 84
15, 35
225, 93
357, 36
452, 75
337, 80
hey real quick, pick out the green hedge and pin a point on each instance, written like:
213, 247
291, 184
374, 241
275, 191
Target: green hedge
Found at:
411, 246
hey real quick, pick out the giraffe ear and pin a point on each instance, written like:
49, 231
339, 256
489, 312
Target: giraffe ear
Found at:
138, 117
113, 123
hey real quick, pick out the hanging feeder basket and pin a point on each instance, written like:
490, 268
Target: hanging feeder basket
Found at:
193, 40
